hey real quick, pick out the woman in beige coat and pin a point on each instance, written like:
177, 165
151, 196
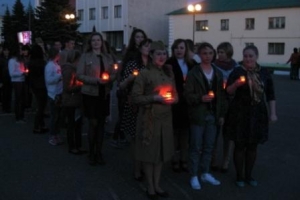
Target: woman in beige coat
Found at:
154, 92
95, 70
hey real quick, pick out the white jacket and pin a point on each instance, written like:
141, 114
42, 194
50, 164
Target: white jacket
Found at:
53, 79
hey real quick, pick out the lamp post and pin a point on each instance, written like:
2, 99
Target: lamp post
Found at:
193, 8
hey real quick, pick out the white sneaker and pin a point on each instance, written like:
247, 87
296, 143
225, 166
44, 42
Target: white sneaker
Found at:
195, 183
206, 177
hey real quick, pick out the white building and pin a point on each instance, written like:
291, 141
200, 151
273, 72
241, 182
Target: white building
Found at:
272, 26
116, 19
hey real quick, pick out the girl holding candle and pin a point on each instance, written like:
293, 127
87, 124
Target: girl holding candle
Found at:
18, 74
247, 118
54, 85
226, 65
205, 97
181, 65
154, 131
95, 91
72, 101
137, 36
128, 122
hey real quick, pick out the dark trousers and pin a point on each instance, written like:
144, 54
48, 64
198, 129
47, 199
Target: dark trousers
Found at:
19, 99
74, 128
294, 73
41, 101
54, 117
6, 97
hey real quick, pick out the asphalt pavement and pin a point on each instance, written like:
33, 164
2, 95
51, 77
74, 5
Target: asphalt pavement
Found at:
31, 169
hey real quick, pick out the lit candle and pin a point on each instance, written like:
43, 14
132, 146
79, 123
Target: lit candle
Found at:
168, 96
211, 94
105, 76
242, 78
115, 66
135, 72
224, 84
79, 83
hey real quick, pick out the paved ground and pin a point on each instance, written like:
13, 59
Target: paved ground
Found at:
31, 169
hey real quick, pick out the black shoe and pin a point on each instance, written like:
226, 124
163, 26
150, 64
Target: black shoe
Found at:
151, 196
224, 170
45, 129
82, 151
139, 178
100, 160
37, 131
184, 166
176, 167
74, 151
163, 194
214, 168
92, 160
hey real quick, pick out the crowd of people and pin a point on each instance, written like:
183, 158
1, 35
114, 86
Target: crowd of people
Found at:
173, 108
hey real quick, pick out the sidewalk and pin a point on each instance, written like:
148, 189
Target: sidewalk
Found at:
31, 169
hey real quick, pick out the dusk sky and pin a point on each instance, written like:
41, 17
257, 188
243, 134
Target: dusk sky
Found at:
9, 3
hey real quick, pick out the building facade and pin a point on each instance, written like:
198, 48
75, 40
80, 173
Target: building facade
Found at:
116, 19
272, 26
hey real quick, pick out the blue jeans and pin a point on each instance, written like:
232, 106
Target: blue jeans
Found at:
202, 141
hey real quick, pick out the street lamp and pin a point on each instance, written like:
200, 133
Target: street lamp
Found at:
70, 16
193, 9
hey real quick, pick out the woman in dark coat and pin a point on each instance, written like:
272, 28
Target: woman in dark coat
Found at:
181, 65
36, 67
247, 119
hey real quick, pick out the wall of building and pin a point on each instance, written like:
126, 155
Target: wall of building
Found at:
181, 26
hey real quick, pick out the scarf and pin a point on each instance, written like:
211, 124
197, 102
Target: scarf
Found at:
255, 84
225, 65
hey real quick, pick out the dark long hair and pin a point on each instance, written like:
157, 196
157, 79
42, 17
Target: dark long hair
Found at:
132, 50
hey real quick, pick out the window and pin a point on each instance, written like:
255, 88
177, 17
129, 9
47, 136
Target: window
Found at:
276, 48
276, 22
249, 44
202, 25
80, 15
105, 12
118, 11
92, 13
250, 23
224, 24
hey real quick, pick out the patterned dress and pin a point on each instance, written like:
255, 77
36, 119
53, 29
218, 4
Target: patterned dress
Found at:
128, 120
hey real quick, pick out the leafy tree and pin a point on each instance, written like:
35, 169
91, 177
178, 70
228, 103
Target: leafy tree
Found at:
51, 23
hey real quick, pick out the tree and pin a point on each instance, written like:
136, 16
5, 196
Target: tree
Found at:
30, 17
19, 21
51, 23
6, 27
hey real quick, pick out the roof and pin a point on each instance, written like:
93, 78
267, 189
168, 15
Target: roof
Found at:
209, 6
